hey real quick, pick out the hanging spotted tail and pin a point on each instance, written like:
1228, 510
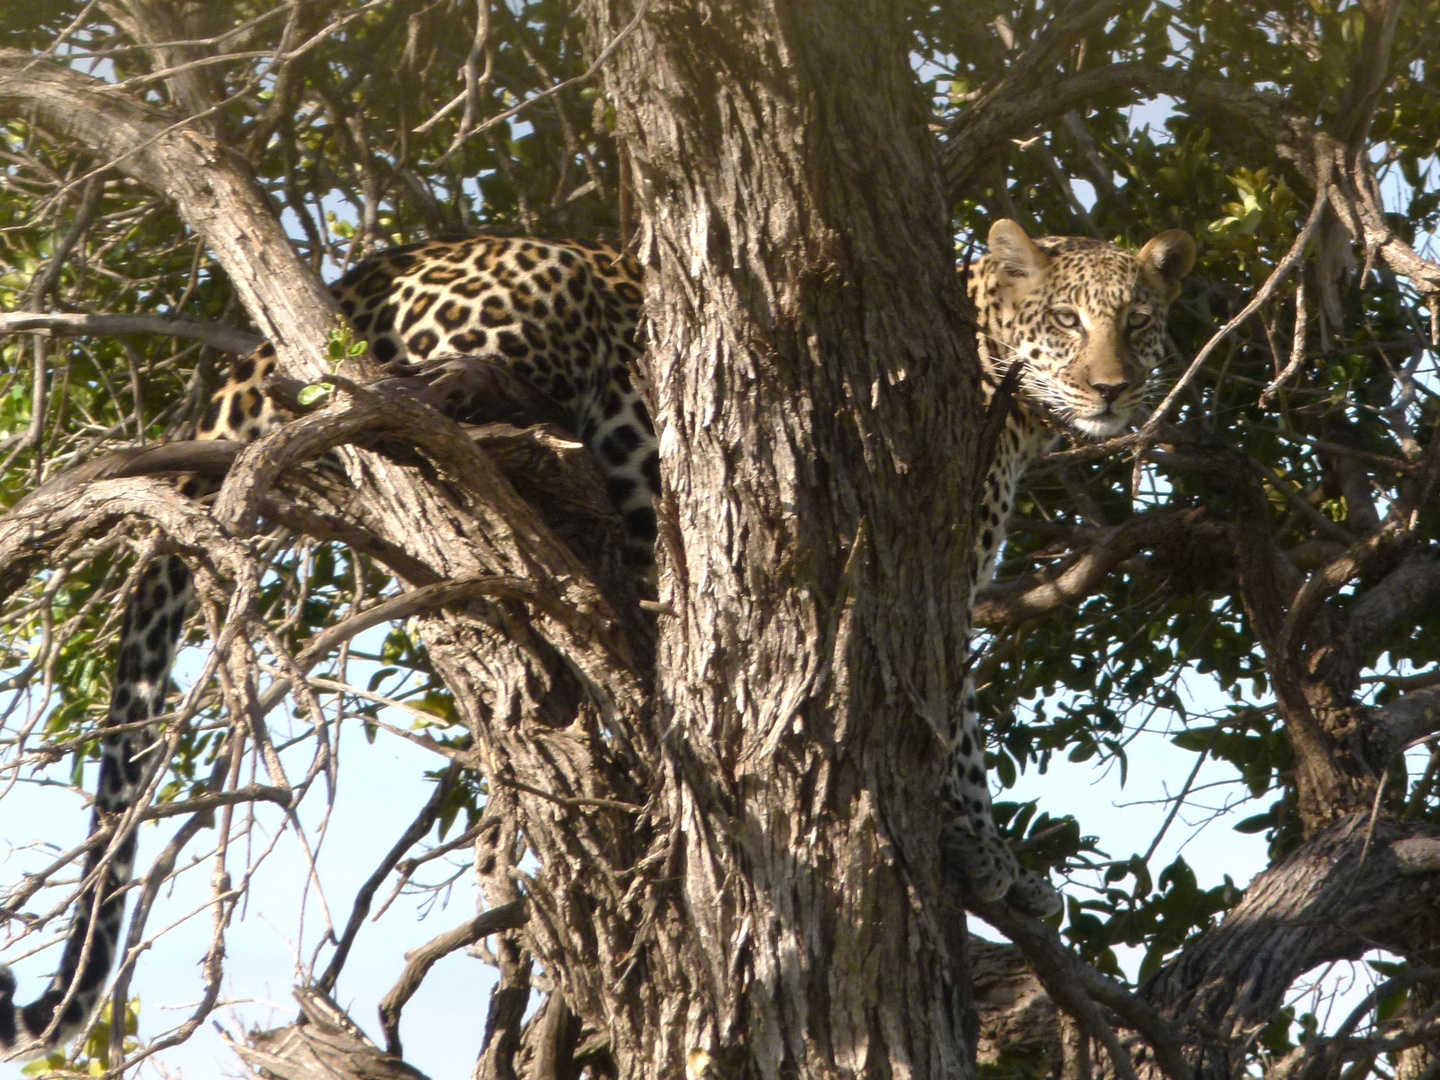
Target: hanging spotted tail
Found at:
153, 621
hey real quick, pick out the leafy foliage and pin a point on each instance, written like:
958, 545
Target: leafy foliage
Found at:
365, 136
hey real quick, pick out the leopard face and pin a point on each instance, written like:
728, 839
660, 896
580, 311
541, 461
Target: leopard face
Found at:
1086, 318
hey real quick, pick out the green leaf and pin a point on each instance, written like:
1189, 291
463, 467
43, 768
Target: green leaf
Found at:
314, 394
1255, 824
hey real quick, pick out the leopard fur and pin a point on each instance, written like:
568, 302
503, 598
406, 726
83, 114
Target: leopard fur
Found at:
1086, 322
563, 315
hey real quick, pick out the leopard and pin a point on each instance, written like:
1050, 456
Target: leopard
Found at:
1078, 327
563, 316
1083, 319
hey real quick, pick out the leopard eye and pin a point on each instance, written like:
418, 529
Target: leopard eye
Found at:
1065, 318
1139, 319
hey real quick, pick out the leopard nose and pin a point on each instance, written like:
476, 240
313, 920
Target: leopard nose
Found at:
1110, 391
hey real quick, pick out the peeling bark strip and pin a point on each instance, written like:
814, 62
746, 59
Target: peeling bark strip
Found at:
558, 711
778, 902
818, 417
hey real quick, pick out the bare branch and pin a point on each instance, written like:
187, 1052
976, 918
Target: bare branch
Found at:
216, 335
1282, 270
589, 73
412, 835
419, 961
1029, 91
211, 186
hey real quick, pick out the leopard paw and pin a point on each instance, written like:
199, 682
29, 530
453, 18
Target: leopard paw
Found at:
1033, 894
986, 868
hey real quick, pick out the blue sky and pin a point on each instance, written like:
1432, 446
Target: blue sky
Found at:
381, 787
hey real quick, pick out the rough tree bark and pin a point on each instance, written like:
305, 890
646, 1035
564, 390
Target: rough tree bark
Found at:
816, 407
746, 865
738, 843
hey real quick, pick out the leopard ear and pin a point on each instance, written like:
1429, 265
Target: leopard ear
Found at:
1168, 258
1021, 263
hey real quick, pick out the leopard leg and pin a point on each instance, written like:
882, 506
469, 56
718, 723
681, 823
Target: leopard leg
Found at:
990, 869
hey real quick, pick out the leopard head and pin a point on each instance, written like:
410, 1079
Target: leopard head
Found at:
1087, 319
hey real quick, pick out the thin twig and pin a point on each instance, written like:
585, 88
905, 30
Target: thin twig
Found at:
574, 80
408, 839
216, 335
1297, 345
1282, 270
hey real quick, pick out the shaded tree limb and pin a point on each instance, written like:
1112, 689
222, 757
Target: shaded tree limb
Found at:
216, 335
419, 961
1329, 900
1403, 723
1398, 598
1085, 994
324, 1042
1099, 553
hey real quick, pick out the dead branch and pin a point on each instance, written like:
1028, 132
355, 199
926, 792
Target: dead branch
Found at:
216, 335
418, 962
324, 1044
557, 710
210, 184
412, 835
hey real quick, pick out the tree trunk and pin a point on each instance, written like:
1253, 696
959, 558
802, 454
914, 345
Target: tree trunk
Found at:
815, 397
738, 875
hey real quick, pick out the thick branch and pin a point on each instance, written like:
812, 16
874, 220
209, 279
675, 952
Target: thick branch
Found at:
547, 705
1013, 108
1403, 723
1017, 1017
1405, 592
1032, 597
31, 535
418, 962
1344, 892
211, 186
1082, 991
216, 335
